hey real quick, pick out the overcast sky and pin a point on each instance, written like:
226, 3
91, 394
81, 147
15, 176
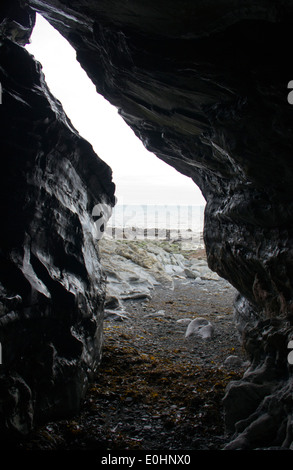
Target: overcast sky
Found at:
140, 177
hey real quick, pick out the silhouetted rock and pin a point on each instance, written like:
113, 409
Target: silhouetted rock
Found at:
52, 288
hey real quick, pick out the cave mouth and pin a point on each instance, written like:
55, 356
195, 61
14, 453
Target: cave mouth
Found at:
162, 288
153, 200
141, 178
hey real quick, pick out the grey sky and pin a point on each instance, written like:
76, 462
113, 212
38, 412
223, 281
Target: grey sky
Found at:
139, 175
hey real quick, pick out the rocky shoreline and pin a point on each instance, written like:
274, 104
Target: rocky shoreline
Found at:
134, 268
170, 282
157, 388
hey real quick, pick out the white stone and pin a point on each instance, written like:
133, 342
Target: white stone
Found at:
200, 327
184, 321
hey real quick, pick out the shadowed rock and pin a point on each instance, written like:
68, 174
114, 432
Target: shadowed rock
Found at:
52, 287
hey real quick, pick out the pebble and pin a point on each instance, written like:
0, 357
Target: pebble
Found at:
184, 321
115, 315
155, 314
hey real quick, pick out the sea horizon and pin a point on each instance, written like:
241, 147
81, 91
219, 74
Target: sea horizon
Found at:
156, 221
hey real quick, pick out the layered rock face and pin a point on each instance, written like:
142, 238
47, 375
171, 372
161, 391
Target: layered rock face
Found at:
204, 86
52, 288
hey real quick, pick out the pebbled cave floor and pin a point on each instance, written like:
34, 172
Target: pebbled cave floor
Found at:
155, 389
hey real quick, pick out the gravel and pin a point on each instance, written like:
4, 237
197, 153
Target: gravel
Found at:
155, 388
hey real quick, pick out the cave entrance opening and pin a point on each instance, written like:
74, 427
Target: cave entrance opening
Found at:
153, 360
155, 203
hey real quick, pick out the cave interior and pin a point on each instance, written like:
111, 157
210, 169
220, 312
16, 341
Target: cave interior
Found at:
204, 85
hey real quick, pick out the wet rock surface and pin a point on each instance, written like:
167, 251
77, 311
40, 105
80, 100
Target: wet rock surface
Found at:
52, 288
135, 267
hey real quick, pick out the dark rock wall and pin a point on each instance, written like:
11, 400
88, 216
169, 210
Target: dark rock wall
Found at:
204, 86
51, 285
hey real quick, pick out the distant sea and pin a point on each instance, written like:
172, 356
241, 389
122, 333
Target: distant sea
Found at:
171, 222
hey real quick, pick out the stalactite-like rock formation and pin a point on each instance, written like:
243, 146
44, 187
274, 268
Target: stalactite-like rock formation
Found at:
204, 86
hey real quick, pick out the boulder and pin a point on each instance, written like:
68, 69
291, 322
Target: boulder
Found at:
199, 327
